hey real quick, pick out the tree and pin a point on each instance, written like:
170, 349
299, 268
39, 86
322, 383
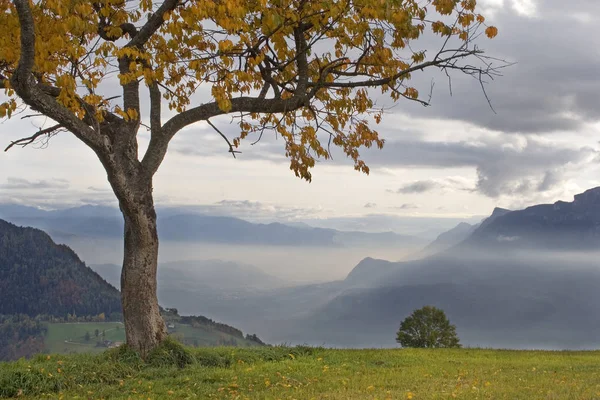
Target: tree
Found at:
96, 332
427, 327
303, 69
87, 337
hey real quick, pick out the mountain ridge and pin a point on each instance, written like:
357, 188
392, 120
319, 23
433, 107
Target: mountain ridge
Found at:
105, 222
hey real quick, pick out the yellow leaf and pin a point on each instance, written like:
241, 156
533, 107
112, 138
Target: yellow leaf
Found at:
491, 32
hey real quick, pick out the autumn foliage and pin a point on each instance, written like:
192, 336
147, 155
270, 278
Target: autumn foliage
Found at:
324, 54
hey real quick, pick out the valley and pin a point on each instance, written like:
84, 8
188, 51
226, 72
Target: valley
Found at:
535, 291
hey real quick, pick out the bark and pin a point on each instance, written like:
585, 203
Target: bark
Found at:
144, 326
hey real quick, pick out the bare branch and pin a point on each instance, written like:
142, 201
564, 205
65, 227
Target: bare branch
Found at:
385, 81
28, 140
231, 147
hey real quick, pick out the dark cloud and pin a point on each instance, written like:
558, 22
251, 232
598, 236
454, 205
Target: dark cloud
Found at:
419, 187
428, 185
554, 85
503, 167
407, 206
21, 183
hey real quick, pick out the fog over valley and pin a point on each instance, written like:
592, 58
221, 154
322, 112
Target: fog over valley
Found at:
516, 279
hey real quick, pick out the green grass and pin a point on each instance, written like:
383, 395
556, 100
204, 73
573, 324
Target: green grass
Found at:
68, 338
205, 337
74, 333
305, 373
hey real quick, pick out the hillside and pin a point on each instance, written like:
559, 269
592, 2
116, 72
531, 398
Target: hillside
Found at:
37, 276
447, 240
50, 301
560, 226
309, 373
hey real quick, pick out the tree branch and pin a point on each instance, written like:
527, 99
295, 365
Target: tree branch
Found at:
153, 24
385, 81
231, 148
28, 140
34, 95
157, 148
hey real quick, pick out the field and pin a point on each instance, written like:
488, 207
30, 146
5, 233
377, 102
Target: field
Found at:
307, 373
68, 338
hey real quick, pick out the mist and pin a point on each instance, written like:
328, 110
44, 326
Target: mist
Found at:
291, 264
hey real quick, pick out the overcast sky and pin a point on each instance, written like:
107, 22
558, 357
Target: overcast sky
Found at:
456, 158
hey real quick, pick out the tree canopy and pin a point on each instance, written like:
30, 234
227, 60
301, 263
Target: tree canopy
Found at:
301, 68
427, 327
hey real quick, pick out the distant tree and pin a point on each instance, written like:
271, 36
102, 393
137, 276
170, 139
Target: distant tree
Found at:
96, 332
87, 337
427, 327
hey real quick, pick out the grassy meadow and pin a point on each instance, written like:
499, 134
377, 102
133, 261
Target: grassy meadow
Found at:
69, 338
308, 373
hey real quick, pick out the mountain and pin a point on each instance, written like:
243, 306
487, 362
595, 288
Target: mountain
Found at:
539, 290
44, 284
447, 240
204, 228
37, 276
106, 222
560, 226
368, 271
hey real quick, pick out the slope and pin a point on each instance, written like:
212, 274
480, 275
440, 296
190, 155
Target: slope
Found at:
37, 276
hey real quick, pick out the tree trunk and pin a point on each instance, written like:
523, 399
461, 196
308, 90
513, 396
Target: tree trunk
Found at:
144, 326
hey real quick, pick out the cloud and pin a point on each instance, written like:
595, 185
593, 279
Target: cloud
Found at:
407, 206
255, 211
419, 187
99, 189
553, 85
428, 185
13, 183
504, 165
370, 205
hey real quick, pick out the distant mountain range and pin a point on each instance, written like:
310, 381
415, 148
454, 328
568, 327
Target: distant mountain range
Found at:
106, 222
457, 235
520, 279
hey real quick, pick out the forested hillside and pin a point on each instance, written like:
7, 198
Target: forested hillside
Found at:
37, 276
